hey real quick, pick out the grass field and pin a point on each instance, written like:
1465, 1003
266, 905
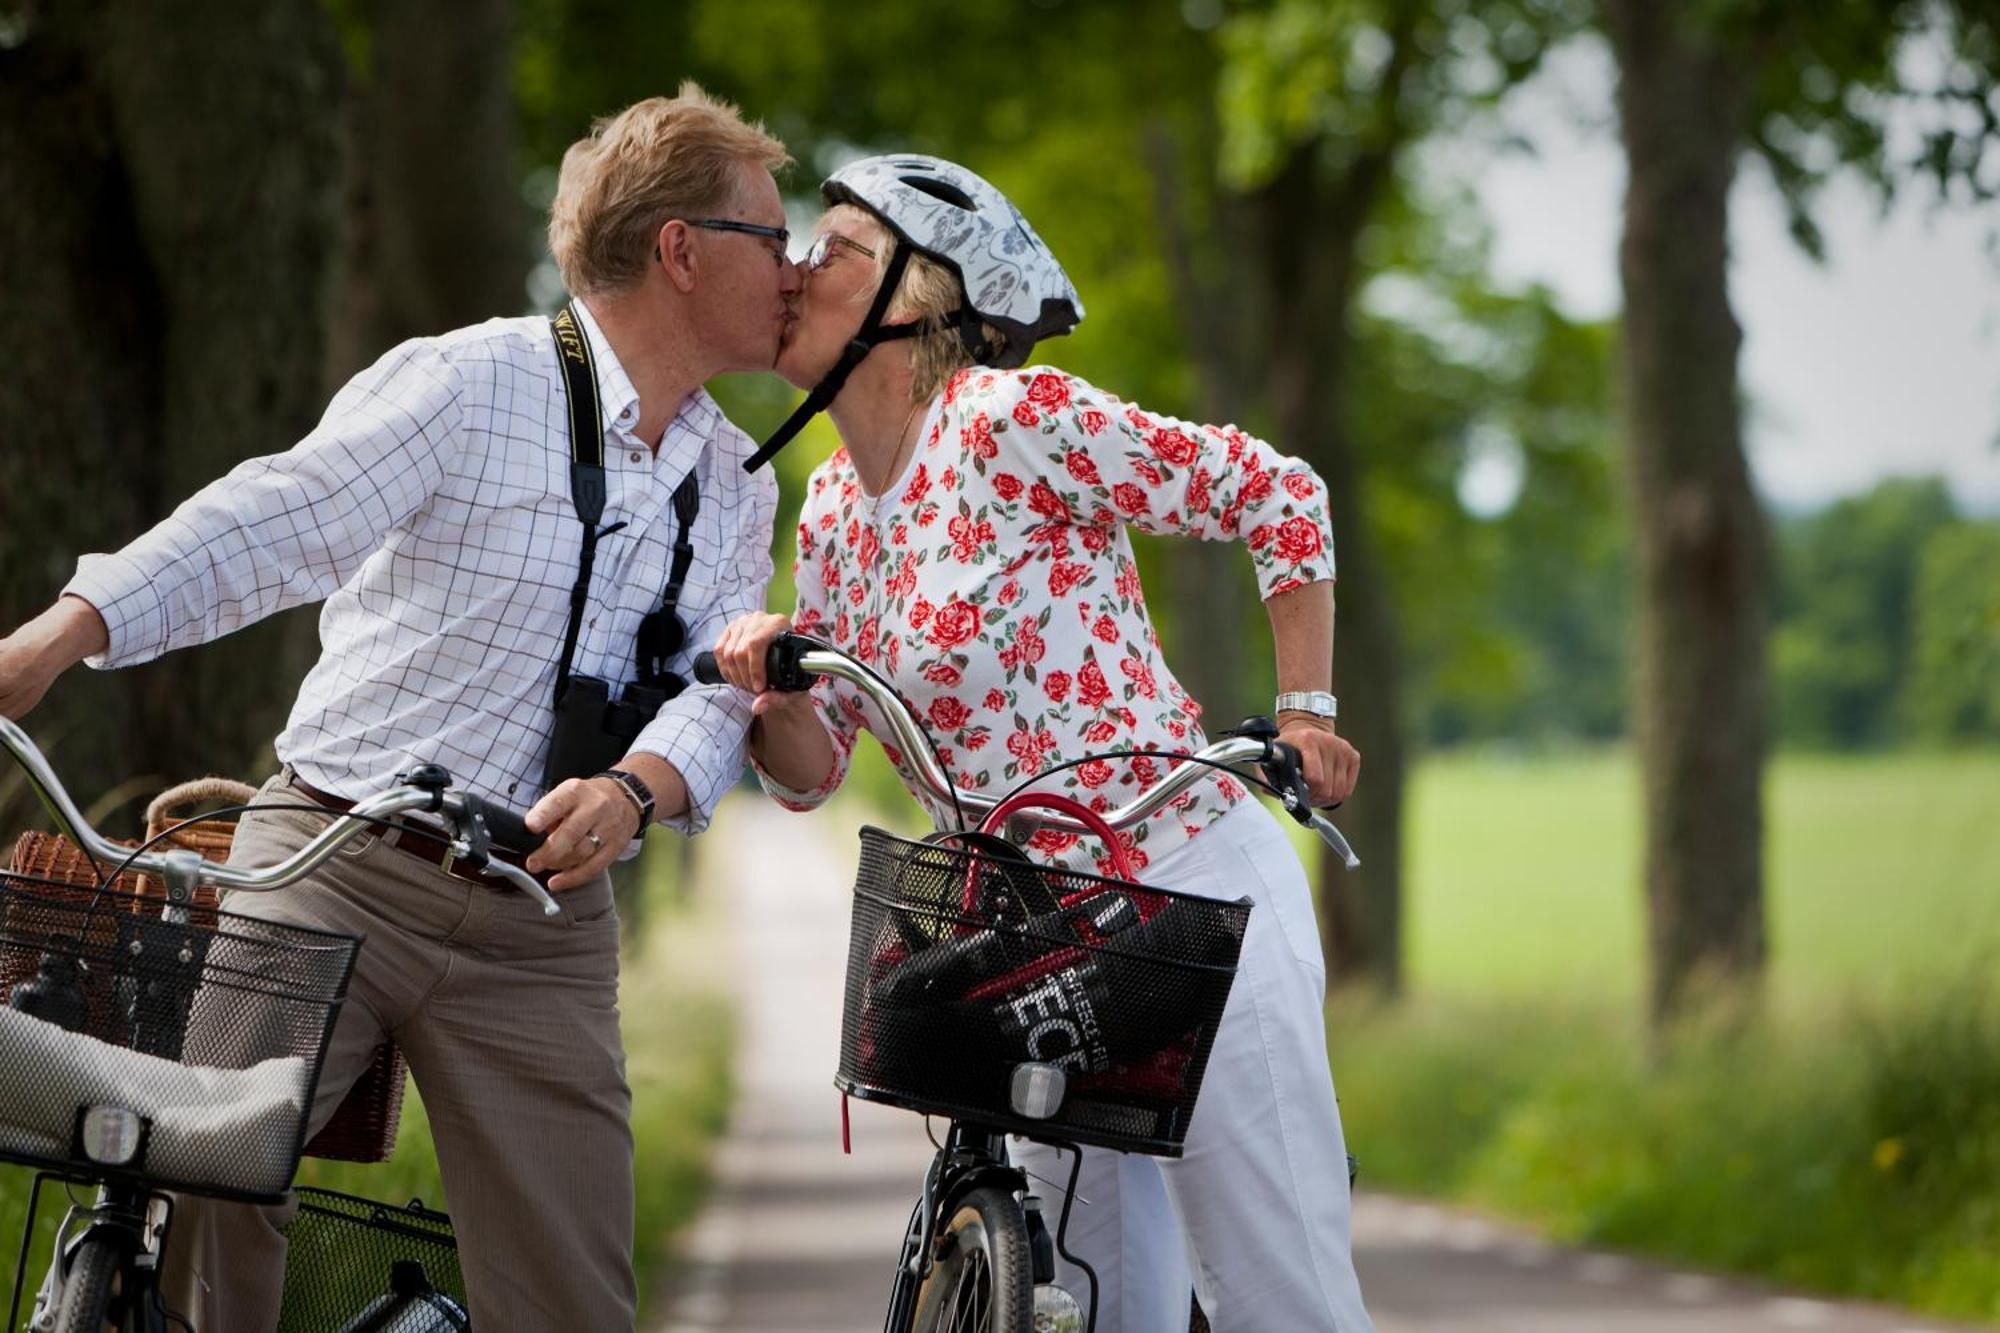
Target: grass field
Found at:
1848, 1141
678, 1039
1883, 875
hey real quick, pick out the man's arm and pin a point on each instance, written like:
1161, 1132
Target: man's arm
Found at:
287, 529
33, 656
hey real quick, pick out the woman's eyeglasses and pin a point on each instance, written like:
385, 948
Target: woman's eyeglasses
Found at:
822, 250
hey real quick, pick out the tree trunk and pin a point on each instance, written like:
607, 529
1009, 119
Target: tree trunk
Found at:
1703, 555
168, 267
441, 234
1310, 238
1214, 591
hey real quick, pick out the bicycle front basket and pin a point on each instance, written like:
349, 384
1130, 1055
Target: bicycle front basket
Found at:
209, 1030
963, 966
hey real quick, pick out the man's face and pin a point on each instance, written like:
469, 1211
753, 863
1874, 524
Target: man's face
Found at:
748, 287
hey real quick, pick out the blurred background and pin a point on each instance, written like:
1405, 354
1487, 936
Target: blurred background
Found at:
1651, 352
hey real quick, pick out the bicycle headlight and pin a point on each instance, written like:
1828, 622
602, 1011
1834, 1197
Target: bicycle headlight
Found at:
110, 1135
1037, 1089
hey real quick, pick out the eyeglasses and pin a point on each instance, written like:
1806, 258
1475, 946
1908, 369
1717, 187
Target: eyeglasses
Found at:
823, 246
779, 234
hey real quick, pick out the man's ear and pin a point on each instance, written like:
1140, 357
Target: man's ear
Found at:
674, 245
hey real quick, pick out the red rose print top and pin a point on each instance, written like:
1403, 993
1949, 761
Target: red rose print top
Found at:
993, 583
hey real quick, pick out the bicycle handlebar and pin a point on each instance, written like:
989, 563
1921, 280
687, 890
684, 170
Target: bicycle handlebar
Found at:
476, 825
793, 662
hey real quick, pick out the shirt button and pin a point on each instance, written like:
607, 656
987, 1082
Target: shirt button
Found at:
511, 786
636, 456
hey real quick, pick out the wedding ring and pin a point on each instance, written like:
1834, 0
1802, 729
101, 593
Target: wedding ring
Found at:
596, 843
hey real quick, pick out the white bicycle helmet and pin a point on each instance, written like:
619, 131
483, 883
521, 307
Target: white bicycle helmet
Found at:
953, 216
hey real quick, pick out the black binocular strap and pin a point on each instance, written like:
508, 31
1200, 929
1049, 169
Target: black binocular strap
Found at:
586, 482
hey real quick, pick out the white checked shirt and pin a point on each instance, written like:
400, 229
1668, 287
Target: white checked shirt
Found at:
430, 509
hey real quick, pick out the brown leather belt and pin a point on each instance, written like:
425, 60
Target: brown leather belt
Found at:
406, 838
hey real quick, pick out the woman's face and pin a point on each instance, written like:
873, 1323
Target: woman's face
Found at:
838, 290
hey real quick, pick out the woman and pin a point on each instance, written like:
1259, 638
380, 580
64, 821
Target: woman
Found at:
969, 541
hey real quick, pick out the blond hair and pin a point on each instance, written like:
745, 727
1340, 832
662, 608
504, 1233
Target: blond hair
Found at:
658, 159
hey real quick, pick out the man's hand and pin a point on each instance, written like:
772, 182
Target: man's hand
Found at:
1331, 765
34, 655
588, 822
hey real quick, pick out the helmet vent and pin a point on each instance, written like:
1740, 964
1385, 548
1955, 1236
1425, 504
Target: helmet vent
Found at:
944, 190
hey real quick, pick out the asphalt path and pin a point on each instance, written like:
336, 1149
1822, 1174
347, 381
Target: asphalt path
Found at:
799, 1237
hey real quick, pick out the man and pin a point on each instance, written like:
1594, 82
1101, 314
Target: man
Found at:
433, 510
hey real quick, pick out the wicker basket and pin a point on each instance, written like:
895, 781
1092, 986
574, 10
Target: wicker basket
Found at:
363, 1128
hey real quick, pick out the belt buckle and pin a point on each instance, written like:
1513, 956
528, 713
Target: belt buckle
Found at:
450, 855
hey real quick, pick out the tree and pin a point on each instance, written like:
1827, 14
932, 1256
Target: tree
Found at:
438, 232
169, 265
1844, 636
1953, 687
1804, 88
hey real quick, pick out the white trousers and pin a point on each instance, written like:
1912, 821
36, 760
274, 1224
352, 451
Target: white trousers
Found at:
1254, 1217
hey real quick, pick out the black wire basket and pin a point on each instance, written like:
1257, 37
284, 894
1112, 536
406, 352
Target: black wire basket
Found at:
968, 970
203, 1035
356, 1266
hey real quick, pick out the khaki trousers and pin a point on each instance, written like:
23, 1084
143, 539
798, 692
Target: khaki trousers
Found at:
509, 1020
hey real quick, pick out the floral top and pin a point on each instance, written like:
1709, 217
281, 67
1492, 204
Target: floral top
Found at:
993, 584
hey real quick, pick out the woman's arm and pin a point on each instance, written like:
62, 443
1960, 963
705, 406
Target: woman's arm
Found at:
800, 744
1091, 459
1302, 635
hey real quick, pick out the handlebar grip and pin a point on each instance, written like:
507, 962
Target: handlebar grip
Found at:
508, 830
782, 671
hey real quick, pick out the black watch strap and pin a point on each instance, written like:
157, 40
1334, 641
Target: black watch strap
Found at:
635, 787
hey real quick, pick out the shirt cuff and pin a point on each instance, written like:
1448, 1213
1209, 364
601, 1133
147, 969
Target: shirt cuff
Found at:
127, 598
701, 734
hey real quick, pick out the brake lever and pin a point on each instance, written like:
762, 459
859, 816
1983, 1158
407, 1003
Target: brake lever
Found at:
474, 846
1333, 838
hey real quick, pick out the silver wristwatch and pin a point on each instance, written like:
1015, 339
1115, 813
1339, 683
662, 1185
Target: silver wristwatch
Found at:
1317, 702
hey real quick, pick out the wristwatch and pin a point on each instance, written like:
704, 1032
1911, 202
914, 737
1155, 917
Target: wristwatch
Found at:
1317, 702
634, 787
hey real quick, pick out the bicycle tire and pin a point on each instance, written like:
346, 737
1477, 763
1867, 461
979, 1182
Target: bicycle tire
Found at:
86, 1299
982, 1280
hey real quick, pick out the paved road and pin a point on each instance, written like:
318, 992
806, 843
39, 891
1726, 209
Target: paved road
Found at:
799, 1238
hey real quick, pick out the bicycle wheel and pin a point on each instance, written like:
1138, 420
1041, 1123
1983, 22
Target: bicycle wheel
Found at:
982, 1280
86, 1300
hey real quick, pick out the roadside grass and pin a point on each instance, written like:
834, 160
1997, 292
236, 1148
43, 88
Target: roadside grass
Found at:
1848, 1141
678, 1038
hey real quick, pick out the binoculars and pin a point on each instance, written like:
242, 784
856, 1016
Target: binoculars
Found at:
593, 731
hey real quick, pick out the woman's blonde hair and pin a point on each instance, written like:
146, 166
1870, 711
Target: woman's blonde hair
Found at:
930, 293
655, 160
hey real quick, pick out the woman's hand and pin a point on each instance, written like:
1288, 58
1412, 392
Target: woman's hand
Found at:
740, 655
1331, 765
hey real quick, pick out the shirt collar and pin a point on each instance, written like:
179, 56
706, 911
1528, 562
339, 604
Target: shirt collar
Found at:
615, 395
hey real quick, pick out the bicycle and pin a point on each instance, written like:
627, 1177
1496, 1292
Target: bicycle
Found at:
1010, 997
176, 1050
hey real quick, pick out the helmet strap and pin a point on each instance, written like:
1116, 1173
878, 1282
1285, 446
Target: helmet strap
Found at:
872, 334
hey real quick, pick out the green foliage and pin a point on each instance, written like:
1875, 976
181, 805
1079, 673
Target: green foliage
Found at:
1359, 77
1952, 687
1843, 642
1826, 78
1857, 1154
